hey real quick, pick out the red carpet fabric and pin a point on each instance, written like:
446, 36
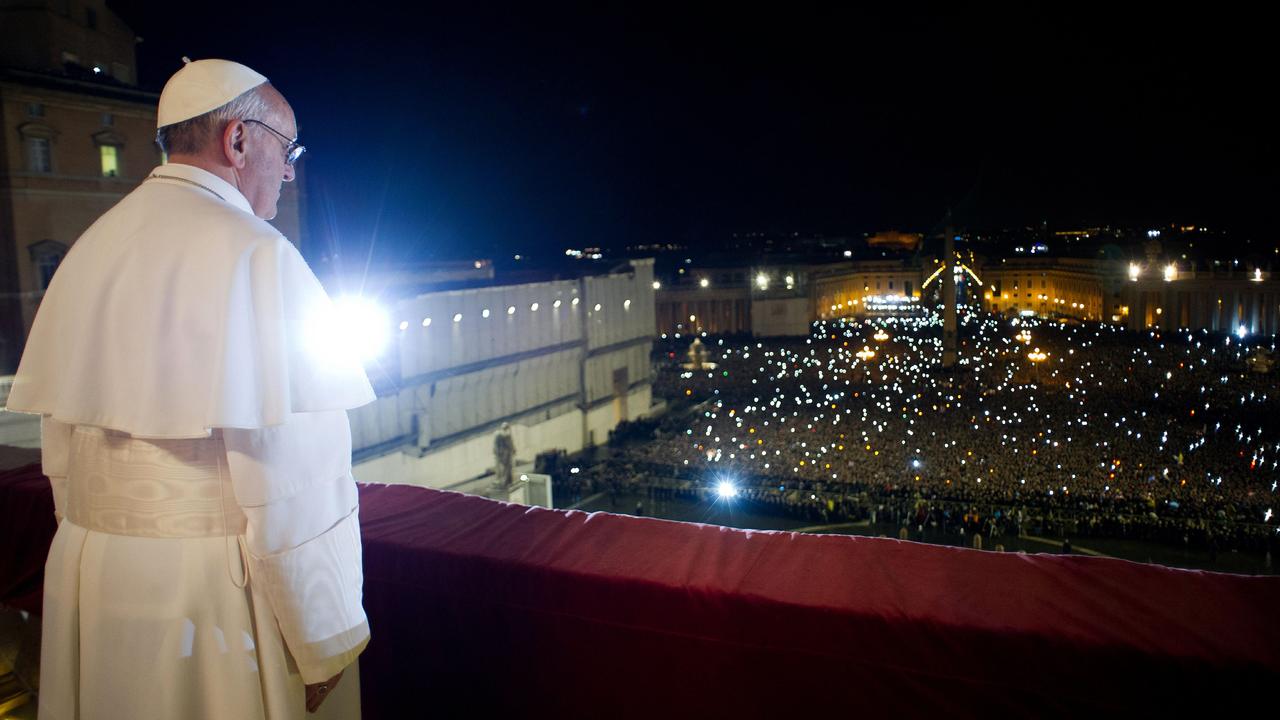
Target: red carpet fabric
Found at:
26, 529
479, 607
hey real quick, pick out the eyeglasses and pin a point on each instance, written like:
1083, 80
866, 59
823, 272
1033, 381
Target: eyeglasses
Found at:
292, 151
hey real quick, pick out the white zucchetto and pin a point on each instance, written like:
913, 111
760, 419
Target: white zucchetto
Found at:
201, 86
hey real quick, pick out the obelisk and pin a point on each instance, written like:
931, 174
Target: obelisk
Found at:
949, 301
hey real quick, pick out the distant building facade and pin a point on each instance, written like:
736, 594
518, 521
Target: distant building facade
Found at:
1084, 289
561, 361
1150, 293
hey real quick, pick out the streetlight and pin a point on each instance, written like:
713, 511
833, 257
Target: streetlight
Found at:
880, 335
1036, 357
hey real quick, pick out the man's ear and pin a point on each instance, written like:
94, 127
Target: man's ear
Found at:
233, 143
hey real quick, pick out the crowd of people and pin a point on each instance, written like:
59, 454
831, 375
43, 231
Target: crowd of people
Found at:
1061, 429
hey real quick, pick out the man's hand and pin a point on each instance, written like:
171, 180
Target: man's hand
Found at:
317, 692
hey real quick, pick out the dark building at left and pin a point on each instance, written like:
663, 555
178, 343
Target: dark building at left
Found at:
79, 134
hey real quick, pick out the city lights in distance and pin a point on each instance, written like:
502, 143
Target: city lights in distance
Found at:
556, 304
704, 283
533, 307
657, 285
726, 490
404, 325
484, 313
457, 317
511, 309
762, 281
1242, 331
1170, 272
1134, 271
426, 322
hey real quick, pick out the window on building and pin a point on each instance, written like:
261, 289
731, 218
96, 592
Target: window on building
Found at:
35, 110
110, 160
91, 18
108, 119
39, 155
47, 255
890, 284
70, 58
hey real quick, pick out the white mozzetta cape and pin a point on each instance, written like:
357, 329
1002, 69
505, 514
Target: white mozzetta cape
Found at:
178, 312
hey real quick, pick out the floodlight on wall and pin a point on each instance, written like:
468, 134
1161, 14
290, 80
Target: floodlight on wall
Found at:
353, 327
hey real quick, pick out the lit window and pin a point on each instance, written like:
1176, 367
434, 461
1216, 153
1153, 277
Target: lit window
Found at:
110, 160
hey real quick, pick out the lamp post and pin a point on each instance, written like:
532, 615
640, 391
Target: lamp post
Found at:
1036, 357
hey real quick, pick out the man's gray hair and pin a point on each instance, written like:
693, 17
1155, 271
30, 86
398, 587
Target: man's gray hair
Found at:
193, 136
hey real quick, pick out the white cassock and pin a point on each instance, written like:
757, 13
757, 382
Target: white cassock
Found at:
193, 396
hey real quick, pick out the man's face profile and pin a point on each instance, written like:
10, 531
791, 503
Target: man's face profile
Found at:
265, 165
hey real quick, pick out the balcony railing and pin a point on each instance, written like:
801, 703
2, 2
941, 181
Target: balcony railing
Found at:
479, 608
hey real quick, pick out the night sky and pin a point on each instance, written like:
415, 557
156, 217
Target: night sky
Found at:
458, 132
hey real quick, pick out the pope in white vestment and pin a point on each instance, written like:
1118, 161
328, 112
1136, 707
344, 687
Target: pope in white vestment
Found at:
193, 397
